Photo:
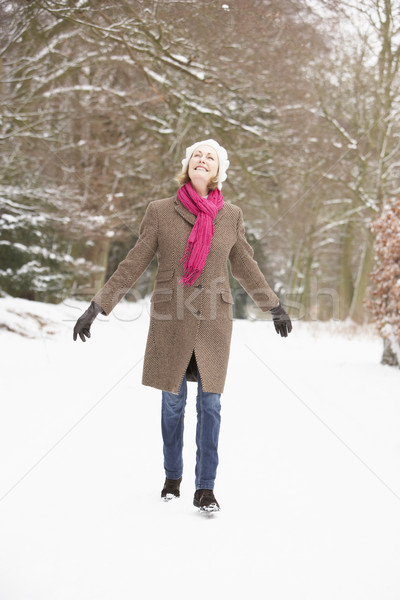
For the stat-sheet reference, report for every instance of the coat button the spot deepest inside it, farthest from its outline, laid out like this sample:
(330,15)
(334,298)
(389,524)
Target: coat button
(199,286)
(198,313)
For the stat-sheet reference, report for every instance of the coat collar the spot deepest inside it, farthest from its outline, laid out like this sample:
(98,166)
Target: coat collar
(186,214)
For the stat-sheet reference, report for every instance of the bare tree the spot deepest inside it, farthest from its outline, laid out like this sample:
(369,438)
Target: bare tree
(358,96)
(99,101)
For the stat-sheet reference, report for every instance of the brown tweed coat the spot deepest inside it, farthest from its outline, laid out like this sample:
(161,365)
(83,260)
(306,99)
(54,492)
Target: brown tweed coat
(187,319)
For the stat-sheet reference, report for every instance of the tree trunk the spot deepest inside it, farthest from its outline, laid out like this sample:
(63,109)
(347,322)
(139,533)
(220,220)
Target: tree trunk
(98,255)
(357,311)
(86,285)
(307,299)
(346,286)
(389,357)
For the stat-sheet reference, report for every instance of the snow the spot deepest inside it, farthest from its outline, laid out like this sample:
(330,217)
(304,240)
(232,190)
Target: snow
(180,58)
(83,88)
(203,109)
(196,69)
(159,78)
(308,481)
(51,45)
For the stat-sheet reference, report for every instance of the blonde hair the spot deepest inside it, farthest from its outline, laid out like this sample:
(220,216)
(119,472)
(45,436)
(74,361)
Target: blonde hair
(183,177)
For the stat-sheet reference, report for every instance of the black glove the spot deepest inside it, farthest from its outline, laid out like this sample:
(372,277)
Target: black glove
(282,322)
(82,326)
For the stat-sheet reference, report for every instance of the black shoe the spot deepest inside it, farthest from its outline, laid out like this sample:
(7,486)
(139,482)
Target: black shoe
(171,489)
(205,501)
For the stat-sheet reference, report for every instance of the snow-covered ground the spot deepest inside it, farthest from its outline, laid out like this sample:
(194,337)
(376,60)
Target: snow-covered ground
(308,482)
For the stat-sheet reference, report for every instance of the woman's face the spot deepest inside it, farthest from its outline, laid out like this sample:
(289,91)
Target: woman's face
(203,165)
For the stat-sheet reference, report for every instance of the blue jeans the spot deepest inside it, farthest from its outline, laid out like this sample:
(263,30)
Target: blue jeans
(207,432)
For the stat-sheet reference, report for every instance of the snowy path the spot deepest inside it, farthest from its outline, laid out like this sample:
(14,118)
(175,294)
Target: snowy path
(309,476)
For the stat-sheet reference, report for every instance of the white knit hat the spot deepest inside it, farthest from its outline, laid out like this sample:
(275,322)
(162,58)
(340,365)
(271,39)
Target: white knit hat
(222,158)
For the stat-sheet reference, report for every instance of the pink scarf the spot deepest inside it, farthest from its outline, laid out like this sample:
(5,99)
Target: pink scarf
(199,240)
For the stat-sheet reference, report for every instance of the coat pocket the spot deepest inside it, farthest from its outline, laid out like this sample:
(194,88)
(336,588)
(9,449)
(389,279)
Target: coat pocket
(227,296)
(166,275)
(161,295)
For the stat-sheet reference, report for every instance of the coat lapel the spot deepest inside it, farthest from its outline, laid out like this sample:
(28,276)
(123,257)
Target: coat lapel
(191,218)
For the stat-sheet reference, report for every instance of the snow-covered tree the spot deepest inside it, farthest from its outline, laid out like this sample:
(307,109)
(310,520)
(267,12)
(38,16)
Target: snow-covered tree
(384,299)
(99,101)
(359,90)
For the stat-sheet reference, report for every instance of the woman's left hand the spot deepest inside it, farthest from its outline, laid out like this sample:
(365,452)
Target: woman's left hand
(282,322)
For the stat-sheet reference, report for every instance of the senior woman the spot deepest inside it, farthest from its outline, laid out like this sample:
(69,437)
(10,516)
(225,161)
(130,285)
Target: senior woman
(194,235)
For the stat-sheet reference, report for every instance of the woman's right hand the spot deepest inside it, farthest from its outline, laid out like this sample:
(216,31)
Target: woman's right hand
(82,326)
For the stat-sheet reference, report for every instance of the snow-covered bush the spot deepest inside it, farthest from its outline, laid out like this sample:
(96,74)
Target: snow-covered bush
(385,295)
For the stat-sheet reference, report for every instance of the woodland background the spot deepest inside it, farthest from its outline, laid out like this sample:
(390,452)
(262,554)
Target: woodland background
(99,100)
